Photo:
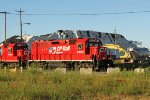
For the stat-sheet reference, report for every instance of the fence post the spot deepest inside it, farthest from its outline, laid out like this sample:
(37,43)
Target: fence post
(5,69)
(21,69)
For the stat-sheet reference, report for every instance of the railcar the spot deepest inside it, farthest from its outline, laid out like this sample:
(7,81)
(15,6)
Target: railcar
(14,54)
(70,53)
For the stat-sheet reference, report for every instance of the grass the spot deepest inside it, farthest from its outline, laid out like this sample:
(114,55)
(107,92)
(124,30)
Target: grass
(34,85)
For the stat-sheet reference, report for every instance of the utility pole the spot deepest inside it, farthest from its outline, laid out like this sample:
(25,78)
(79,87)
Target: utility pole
(5,13)
(20,13)
(115,40)
(115,34)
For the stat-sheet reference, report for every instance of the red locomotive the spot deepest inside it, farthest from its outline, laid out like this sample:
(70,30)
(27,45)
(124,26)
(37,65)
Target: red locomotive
(69,53)
(14,54)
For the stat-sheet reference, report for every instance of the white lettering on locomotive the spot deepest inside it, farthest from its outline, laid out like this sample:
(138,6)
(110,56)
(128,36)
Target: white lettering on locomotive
(58,49)
(66,48)
(10,54)
(54,50)
(80,51)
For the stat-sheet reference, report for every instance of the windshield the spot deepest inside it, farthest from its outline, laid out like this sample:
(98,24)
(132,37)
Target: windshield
(20,46)
(93,42)
(89,44)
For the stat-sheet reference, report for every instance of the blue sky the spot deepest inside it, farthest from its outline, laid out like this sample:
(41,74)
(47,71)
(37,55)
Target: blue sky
(133,26)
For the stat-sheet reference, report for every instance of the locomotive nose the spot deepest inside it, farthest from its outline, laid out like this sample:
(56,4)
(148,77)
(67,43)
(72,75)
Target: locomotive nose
(19,53)
(94,50)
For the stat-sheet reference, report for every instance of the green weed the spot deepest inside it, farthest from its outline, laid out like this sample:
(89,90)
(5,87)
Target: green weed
(48,85)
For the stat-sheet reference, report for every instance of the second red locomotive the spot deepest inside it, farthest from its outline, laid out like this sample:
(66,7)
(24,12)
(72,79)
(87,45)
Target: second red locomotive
(14,54)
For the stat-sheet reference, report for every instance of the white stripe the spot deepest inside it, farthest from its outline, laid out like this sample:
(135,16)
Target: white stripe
(44,60)
(9,60)
(60,60)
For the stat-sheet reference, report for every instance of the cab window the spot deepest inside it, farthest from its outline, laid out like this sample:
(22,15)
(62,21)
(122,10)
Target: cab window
(20,46)
(93,44)
(9,50)
(80,46)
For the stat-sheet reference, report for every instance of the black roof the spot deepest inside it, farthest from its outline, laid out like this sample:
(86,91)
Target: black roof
(13,39)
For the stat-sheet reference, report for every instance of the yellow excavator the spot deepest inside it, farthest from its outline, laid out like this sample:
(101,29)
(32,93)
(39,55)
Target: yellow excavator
(124,55)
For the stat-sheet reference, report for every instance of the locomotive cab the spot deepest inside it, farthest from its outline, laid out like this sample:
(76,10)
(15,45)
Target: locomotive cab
(98,54)
(21,51)
(92,46)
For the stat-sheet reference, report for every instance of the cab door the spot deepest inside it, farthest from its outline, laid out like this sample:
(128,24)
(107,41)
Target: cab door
(102,53)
